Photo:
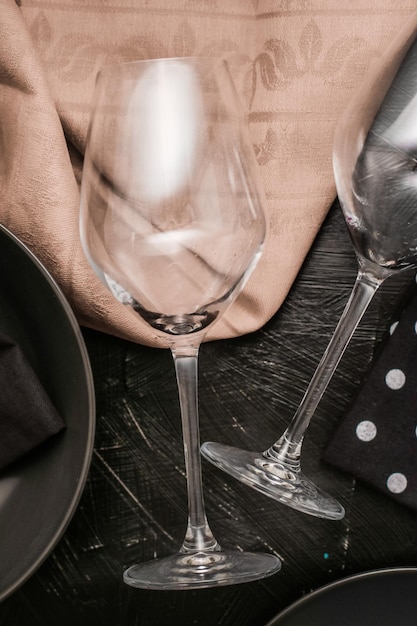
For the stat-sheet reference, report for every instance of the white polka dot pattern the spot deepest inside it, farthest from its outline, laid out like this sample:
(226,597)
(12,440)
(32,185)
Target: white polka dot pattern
(366,430)
(395,379)
(393,327)
(376,442)
(397,482)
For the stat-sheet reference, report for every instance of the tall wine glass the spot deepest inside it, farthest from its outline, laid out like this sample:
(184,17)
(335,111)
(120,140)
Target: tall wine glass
(375,166)
(172,222)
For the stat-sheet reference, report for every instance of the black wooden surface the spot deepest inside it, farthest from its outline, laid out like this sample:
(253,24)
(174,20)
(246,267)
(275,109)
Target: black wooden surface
(134,504)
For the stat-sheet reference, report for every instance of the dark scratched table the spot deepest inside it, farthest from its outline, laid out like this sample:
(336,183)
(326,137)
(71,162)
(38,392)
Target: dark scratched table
(134,504)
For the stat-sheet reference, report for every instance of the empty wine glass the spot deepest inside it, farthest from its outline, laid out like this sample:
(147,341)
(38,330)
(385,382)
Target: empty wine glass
(375,166)
(171,221)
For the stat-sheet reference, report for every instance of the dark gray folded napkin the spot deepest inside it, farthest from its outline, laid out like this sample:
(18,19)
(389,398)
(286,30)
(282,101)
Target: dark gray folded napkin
(27,415)
(377,440)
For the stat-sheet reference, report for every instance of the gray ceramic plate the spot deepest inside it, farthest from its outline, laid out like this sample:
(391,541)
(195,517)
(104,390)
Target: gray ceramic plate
(386,597)
(40,492)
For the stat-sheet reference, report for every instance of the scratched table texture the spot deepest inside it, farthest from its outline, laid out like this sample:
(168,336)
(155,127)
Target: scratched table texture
(134,504)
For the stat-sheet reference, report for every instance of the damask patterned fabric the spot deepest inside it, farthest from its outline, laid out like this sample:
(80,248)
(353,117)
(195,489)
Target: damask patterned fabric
(295,63)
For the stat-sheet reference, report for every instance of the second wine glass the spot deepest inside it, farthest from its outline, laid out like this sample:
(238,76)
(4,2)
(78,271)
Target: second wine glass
(375,157)
(172,223)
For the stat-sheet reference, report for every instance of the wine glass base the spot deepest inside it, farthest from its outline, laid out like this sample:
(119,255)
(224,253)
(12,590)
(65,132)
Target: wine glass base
(197,570)
(274,479)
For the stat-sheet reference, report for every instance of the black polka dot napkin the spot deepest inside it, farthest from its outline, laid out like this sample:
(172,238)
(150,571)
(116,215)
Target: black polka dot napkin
(27,415)
(377,440)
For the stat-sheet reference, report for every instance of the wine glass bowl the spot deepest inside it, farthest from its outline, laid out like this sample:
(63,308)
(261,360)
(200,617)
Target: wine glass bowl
(374,160)
(161,198)
(375,167)
(172,222)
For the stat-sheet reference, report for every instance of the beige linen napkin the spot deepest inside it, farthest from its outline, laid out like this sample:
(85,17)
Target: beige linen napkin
(295,63)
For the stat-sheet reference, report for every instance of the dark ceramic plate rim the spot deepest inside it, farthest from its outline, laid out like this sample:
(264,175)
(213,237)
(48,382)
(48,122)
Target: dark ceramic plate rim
(62,523)
(292,610)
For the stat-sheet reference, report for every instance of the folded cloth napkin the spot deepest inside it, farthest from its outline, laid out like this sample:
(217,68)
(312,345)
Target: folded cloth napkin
(27,415)
(377,440)
(295,64)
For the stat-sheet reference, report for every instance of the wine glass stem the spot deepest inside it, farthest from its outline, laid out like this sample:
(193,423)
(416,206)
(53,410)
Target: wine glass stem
(198,535)
(288,448)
